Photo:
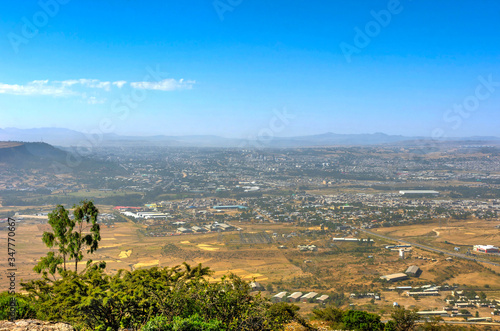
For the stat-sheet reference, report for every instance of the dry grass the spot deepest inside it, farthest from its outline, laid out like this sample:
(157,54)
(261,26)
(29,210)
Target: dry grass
(342,268)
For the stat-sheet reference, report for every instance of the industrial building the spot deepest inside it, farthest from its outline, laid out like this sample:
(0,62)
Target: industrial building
(198,229)
(323,298)
(423,294)
(479,319)
(255,286)
(280,297)
(486,249)
(352,239)
(418,192)
(229,207)
(395,277)
(308,296)
(184,230)
(413,271)
(294,297)
(305,248)
(442,313)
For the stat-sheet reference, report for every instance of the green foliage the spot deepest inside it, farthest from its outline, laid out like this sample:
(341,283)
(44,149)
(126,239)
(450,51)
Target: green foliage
(330,314)
(87,234)
(24,308)
(158,323)
(93,300)
(192,323)
(404,319)
(433,324)
(62,226)
(390,326)
(360,320)
(50,264)
(71,236)
(282,313)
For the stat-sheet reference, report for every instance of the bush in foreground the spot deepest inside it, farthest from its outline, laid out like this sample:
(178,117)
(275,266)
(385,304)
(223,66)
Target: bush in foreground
(181,295)
(192,323)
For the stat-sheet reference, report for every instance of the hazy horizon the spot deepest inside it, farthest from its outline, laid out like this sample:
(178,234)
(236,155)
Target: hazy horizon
(236,137)
(396,67)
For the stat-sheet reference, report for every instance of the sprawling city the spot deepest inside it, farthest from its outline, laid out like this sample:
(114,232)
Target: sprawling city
(367,228)
(233,165)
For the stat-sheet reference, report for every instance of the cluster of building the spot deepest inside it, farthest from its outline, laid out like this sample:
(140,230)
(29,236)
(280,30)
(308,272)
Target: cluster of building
(486,249)
(307,248)
(352,240)
(412,271)
(213,227)
(459,305)
(373,295)
(299,297)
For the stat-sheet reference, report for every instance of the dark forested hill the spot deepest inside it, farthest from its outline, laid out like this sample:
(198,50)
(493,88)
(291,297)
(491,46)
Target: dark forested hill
(21,154)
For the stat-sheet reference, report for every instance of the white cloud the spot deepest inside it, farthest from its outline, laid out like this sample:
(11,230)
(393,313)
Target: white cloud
(169,84)
(95,83)
(36,87)
(70,87)
(69,82)
(120,83)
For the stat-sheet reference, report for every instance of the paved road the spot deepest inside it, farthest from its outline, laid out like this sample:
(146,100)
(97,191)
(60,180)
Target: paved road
(429,248)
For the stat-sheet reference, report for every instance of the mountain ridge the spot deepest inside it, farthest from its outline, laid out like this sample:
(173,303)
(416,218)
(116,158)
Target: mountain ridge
(67,138)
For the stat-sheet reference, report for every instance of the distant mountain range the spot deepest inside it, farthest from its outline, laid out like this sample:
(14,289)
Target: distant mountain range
(67,138)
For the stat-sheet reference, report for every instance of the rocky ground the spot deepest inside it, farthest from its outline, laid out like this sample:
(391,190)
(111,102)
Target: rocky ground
(34,325)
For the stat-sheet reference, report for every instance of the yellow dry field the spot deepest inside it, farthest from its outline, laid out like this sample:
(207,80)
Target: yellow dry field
(207,247)
(125,254)
(458,232)
(151,263)
(123,247)
(344,267)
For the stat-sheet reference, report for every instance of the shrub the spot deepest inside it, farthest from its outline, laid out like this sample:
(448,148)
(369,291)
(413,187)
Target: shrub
(93,300)
(360,320)
(330,314)
(191,323)
(24,309)
(196,323)
(390,326)
(158,323)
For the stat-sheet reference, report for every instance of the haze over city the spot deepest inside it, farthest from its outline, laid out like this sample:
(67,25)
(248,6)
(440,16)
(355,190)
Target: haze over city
(413,68)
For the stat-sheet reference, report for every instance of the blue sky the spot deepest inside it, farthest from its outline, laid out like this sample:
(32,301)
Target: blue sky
(226,67)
